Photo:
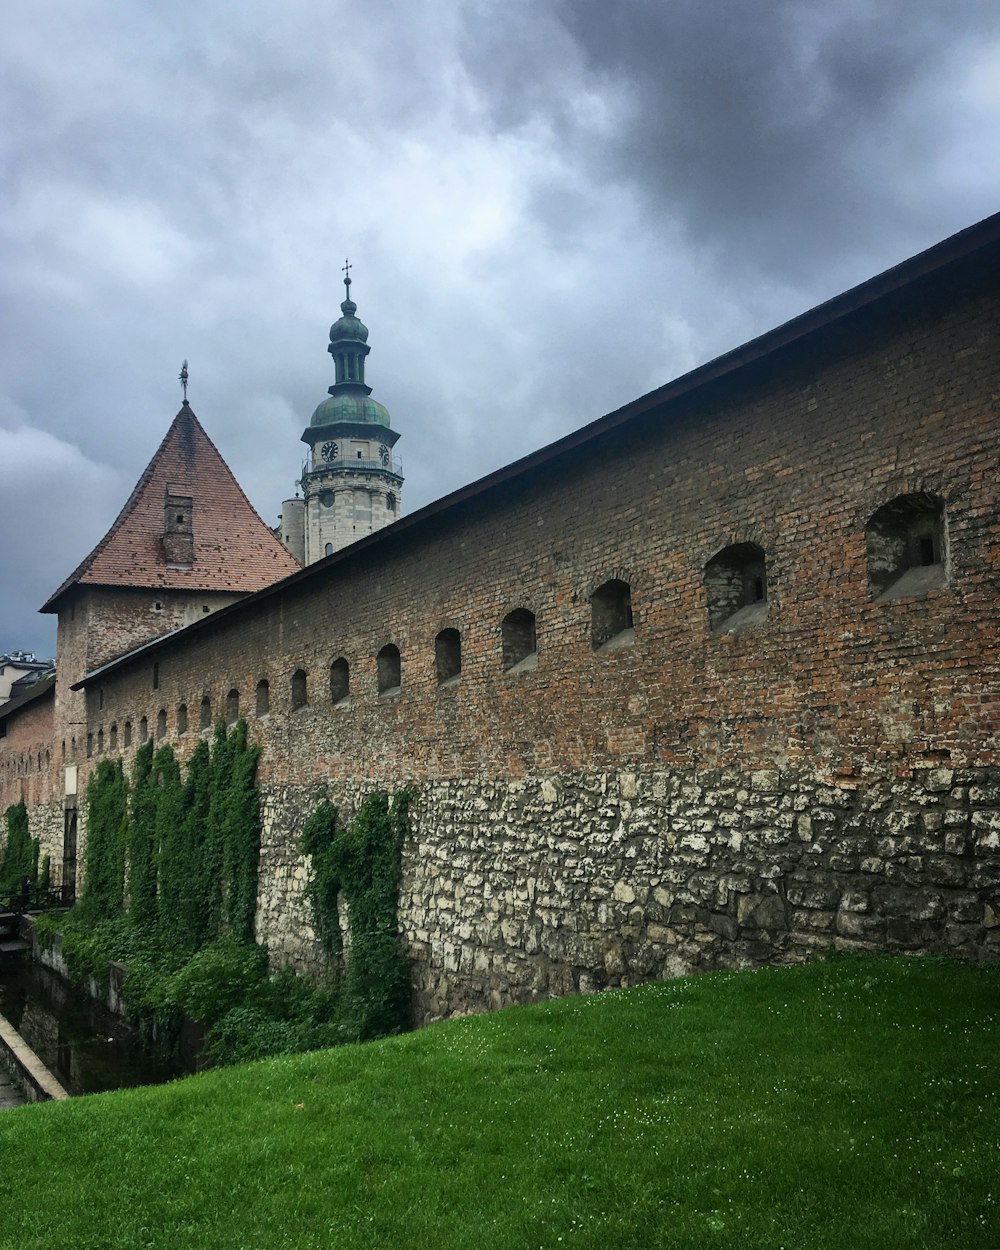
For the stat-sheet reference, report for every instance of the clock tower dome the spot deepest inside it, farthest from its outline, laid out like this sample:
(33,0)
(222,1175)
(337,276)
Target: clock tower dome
(352,482)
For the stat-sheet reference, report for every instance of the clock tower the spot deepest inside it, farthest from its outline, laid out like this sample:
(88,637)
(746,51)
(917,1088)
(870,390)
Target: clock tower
(352,482)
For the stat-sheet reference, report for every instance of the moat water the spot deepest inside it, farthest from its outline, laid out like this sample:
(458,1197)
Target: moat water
(83,1045)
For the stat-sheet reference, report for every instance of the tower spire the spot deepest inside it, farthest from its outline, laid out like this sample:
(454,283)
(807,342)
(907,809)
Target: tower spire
(348,307)
(182,377)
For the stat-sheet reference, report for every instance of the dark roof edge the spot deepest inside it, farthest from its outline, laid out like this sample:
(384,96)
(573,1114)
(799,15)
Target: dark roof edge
(35,691)
(938,257)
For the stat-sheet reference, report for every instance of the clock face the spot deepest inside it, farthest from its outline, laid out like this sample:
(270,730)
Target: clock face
(328,451)
(383,455)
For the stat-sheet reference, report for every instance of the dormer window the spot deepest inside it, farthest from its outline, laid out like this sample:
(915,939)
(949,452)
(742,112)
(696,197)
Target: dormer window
(178,529)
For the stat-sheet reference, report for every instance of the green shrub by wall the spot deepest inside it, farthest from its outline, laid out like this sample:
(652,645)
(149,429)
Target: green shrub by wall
(20,856)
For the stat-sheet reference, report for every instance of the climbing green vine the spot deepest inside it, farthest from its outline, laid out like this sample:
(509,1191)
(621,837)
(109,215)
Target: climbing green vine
(103,894)
(361,862)
(170,890)
(20,861)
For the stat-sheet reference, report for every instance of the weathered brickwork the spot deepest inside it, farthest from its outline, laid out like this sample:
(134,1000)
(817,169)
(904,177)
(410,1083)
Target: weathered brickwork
(27,770)
(686,797)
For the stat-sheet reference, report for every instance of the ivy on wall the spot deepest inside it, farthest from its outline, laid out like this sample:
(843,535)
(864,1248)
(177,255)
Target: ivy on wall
(103,895)
(20,864)
(171,890)
(189,849)
(362,862)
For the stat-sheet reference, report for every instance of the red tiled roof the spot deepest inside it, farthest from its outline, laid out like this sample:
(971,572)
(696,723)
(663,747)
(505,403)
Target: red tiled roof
(233,549)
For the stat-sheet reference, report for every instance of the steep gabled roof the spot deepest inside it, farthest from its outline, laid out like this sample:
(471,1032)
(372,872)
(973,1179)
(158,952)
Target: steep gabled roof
(233,549)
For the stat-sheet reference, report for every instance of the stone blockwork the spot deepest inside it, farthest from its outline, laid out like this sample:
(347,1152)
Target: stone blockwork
(695,791)
(578,882)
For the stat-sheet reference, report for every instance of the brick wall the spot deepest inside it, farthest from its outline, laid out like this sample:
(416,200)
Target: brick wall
(824,691)
(29,772)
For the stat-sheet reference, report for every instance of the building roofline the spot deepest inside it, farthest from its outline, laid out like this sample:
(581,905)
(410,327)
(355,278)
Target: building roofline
(935,259)
(40,687)
(78,577)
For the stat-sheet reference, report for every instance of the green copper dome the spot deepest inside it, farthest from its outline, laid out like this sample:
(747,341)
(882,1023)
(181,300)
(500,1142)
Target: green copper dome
(348,326)
(347,406)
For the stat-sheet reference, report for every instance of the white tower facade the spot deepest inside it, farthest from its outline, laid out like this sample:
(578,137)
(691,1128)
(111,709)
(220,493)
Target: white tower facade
(352,482)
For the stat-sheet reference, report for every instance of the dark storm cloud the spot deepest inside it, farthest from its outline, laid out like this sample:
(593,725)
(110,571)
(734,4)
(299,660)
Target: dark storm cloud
(774,132)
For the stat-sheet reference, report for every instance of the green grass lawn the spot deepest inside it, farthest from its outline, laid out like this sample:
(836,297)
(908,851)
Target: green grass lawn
(845,1104)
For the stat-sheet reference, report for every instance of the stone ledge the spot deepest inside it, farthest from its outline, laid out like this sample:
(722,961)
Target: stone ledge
(38,1082)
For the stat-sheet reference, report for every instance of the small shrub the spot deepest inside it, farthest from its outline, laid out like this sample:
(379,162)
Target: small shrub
(219,978)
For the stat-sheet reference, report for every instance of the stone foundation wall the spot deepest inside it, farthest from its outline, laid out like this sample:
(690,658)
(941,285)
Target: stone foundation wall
(530,888)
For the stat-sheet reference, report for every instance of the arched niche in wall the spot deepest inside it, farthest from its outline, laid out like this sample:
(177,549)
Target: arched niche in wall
(905,542)
(611,623)
(448,656)
(736,587)
(518,640)
(340,682)
(388,669)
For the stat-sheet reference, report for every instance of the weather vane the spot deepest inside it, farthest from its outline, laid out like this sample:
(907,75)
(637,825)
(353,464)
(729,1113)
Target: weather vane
(347,267)
(182,377)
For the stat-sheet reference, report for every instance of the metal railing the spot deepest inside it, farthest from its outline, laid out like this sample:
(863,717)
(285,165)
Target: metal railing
(20,902)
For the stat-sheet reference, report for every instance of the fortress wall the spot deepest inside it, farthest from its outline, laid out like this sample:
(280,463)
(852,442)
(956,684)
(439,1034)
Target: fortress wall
(693,798)
(27,769)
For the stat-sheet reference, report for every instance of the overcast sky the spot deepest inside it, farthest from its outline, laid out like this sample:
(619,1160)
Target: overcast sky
(551,208)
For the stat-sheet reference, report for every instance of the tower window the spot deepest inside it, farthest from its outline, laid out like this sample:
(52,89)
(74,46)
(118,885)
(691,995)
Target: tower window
(340,682)
(232,707)
(389,669)
(205,713)
(736,587)
(113,738)
(448,655)
(161,723)
(100,741)
(143,729)
(182,719)
(299,689)
(905,544)
(611,615)
(328,549)
(517,633)
(263,697)
(127,735)
(390,502)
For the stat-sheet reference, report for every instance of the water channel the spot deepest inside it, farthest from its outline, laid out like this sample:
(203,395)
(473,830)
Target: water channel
(86,1048)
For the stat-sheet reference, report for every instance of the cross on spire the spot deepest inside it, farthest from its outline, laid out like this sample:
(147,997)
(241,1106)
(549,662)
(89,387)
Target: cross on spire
(347,267)
(182,377)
